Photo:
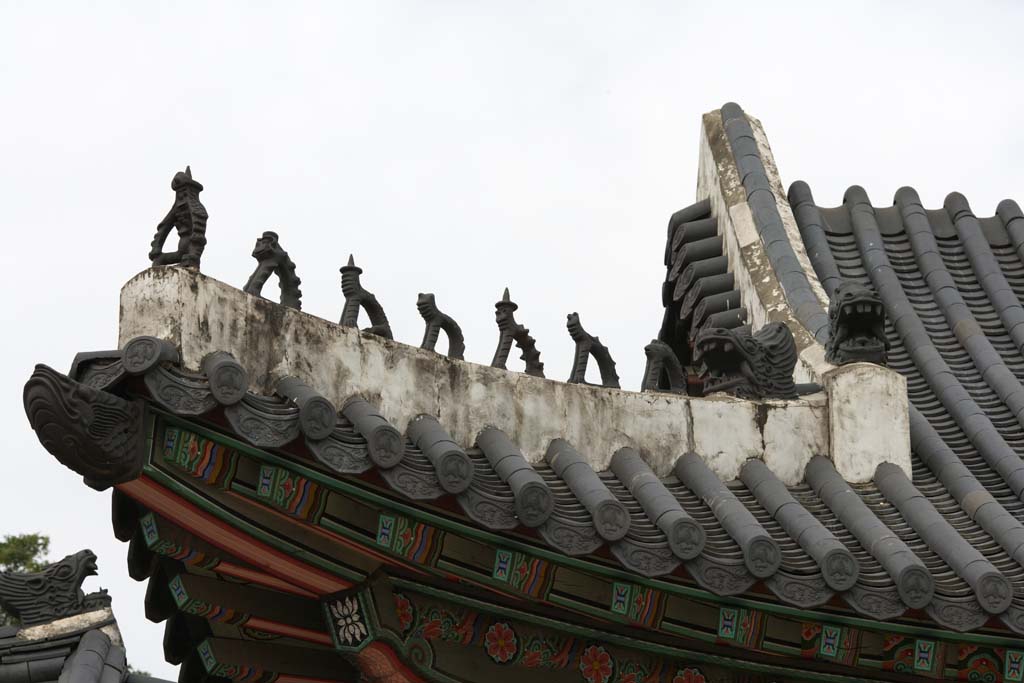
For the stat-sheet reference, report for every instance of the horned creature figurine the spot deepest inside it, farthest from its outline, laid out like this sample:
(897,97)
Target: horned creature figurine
(356,297)
(272,259)
(508,331)
(188,216)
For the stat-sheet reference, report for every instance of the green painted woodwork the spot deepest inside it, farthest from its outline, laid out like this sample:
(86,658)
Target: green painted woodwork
(415,535)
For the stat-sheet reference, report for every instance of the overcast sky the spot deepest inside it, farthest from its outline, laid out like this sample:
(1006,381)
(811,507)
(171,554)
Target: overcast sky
(455,148)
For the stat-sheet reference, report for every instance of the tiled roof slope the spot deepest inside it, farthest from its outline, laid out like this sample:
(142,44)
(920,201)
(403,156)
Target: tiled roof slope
(807,543)
(951,284)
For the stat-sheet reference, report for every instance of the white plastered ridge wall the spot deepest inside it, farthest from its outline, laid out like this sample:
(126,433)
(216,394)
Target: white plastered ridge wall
(201,315)
(867,404)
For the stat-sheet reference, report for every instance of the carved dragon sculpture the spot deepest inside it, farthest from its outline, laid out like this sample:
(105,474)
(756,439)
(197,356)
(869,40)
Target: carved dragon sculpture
(857,324)
(272,259)
(188,216)
(748,365)
(93,432)
(53,593)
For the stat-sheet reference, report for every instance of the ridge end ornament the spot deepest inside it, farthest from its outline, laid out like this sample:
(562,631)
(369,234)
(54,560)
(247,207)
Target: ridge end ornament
(747,365)
(93,432)
(52,593)
(510,331)
(188,217)
(356,297)
(856,320)
(272,259)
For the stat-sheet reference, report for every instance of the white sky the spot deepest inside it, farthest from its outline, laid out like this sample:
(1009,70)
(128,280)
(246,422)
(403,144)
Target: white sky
(453,147)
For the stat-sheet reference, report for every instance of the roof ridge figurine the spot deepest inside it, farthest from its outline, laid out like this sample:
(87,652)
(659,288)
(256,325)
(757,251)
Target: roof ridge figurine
(508,331)
(188,216)
(356,297)
(748,365)
(272,259)
(436,321)
(52,593)
(856,325)
(588,345)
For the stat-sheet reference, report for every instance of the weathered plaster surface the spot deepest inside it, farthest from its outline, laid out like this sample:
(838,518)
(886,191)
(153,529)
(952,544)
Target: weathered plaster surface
(75,624)
(867,421)
(869,418)
(201,315)
(785,212)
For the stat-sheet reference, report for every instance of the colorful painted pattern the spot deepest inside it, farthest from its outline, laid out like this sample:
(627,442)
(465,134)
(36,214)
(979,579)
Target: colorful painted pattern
(169,548)
(976,663)
(528,575)
(199,457)
(414,541)
(638,604)
(295,495)
(199,608)
(1013,666)
(510,644)
(927,657)
(740,627)
(918,656)
(830,643)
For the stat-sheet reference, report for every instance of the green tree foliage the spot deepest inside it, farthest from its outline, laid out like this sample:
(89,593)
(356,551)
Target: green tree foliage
(22,553)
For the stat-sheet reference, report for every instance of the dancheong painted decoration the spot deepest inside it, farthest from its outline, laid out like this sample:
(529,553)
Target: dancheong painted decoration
(819,479)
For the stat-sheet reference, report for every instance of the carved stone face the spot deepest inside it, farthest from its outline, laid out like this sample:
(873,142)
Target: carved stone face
(573,323)
(503,316)
(266,246)
(426,304)
(856,326)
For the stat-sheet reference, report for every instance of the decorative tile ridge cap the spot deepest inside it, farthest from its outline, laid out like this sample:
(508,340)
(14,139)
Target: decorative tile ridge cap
(991,588)
(763,293)
(761,553)
(880,396)
(53,592)
(915,584)
(773,218)
(94,619)
(203,320)
(839,567)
